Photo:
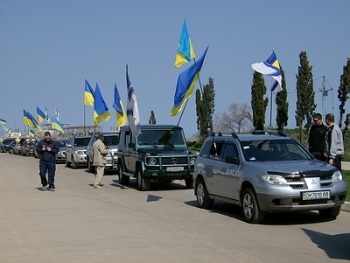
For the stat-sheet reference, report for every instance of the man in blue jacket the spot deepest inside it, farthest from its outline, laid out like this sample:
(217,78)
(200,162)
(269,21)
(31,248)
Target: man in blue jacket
(47,149)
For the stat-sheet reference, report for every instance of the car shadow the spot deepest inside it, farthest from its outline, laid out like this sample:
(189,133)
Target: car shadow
(155,186)
(287,218)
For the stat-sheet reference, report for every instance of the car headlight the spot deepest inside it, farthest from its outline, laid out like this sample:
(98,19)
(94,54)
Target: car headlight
(152,161)
(192,160)
(337,176)
(81,153)
(274,179)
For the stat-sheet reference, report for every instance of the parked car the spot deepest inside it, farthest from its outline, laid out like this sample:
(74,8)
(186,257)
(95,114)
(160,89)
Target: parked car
(265,173)
(61,155)
(17,149)
(111,140)
(76,151)
(5,143)
(27,148)
(11,146)
(159,153)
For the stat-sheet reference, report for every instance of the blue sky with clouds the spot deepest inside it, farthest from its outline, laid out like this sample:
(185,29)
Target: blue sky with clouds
(48,48)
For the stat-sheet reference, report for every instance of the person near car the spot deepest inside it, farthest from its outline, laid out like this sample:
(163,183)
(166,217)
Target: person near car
(317,135)
(47,149)
(99,152)
(334,142)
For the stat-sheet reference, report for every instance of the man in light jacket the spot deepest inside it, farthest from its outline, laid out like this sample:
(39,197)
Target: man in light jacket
(99,152)
(334,142)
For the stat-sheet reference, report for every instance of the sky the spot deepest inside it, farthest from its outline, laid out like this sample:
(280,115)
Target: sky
(49,47)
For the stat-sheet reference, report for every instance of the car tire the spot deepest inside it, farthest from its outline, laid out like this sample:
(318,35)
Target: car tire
(330,213)
(123,179)
(250,207)
(202,195)
(189,182)
(143,184)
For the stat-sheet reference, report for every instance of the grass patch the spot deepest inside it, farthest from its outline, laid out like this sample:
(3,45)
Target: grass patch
(346,175)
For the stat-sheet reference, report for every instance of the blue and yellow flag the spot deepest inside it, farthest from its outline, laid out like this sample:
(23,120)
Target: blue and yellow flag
(29,120)
(56,125)
(118,106)
(100,108)
(31,133)
(185,84)
(2,121)
(40,115)
(185,51)
(88,95)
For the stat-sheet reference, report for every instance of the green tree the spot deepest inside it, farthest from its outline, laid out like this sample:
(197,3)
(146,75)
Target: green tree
(258,102)
(344,90)
(152,119)
(282,105)
(305,94)
(205,108)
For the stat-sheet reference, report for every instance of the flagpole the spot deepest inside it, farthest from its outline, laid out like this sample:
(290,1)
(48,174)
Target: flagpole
(270,108)
(84,119)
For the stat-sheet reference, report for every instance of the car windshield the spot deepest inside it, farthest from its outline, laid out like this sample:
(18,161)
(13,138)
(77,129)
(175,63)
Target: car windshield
(273,150)
(81,141)
(162,139)
(111,140)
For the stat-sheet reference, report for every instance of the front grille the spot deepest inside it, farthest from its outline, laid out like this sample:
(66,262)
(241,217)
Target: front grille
(298,182)
(174,160)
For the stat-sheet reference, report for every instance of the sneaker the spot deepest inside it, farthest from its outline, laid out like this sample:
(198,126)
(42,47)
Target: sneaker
(51,189)
(43,188)
(100,184)
(97,186)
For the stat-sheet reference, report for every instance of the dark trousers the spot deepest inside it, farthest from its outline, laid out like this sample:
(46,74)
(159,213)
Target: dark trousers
(50,169)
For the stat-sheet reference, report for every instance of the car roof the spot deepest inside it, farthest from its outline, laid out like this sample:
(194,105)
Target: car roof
(155,127)
(251,137)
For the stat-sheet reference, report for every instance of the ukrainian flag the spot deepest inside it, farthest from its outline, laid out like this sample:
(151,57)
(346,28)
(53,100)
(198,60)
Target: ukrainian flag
(101,110)
(185,51)
(88,95)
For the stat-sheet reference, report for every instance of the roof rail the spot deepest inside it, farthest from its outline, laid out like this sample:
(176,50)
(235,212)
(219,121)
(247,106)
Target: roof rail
(274,132)
(232,134)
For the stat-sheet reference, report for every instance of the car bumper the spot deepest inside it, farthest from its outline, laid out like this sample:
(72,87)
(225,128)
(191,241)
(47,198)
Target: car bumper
(278,200)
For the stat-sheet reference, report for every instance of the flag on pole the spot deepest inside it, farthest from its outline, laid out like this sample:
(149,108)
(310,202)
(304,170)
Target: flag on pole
(270,67)
(31,133)
(185,51)
(88,95)
(2,121)
(132,110)
(40,115)
(47,119)
(5,127)
(118,106)
(57,114)
(29,120)
(100,108)
(56,125)
(185,84)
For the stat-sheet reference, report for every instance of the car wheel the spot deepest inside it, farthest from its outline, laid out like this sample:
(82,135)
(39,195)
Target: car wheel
(250,207)
(203,199)
(143,184)
(123,179)
(189,182)
(331,213)
(90,167)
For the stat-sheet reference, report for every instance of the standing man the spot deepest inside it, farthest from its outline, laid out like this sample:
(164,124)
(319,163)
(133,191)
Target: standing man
(334,142)
(99,152)
(317,135)
(47,149)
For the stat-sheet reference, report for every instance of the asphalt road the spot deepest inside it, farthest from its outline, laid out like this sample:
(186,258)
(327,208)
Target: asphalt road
(77,223)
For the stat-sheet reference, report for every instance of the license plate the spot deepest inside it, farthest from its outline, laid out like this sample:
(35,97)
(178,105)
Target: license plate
(315,195)
(174,169)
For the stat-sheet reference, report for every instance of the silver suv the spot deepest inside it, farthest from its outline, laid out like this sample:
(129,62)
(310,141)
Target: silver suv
(265,173)
(111,140)
(76,151)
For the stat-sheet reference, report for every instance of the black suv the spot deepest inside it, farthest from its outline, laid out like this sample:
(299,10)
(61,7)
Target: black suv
(111,140)
(159,153)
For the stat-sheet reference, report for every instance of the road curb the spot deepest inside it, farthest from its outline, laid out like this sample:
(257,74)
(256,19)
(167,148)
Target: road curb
(346,207)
